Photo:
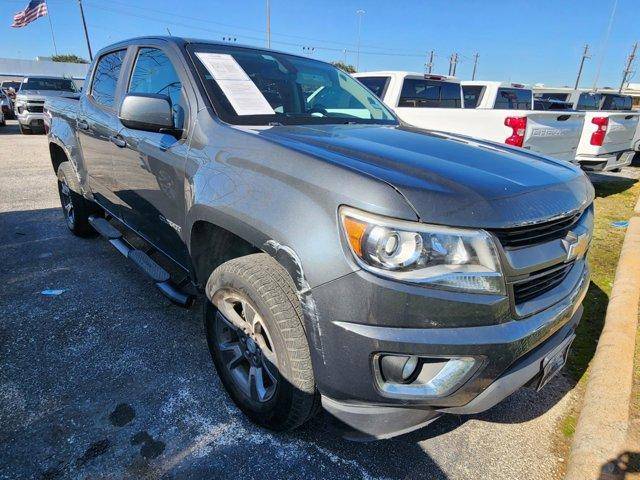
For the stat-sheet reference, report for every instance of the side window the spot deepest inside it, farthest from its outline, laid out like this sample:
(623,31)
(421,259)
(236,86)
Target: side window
(378,85)
(154,73)
(472,95)
(513,99)
(589,101)
(418,93)
(105,78)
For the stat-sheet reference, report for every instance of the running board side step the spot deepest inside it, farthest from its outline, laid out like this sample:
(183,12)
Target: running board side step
(144,262)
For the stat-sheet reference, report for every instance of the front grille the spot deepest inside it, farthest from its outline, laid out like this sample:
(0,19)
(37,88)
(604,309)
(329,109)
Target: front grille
(540,282)
(35,108)
(537,232)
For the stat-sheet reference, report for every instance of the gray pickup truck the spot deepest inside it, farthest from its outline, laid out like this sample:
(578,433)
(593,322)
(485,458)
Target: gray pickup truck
(387,273)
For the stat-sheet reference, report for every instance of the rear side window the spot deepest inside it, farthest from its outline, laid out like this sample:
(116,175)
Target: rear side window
(616,102)
(154,73)
(378,85)
(513,99)
(589,101)
(472,95)
(105,78)
(430,94)
(563,97)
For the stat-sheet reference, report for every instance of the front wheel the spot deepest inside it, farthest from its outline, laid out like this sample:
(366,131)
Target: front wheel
(257,341)
(25,130)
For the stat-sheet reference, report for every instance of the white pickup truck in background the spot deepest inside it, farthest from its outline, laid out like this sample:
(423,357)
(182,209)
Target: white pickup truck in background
(611,134)
(501,113)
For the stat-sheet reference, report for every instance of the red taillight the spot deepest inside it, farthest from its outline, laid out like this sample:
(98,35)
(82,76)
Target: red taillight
(519,126)
(597,137)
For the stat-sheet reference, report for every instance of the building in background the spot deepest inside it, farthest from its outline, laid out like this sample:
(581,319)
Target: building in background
(15,69)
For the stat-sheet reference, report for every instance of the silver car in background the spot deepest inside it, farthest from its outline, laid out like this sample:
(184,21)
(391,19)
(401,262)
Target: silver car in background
(29,104)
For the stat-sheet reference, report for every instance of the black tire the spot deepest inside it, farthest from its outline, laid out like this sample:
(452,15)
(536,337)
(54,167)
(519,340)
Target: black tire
(270,290)
(75,208)
(24,130)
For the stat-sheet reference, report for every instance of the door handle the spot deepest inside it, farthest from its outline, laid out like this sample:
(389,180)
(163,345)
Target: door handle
(82,125)
(118,141)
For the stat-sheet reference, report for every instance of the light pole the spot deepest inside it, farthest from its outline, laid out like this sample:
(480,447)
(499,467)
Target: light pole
(268,24)
(359,13)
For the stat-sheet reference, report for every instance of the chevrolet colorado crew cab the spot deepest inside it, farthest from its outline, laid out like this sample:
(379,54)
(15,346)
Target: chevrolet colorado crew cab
(495,111)
(387,273)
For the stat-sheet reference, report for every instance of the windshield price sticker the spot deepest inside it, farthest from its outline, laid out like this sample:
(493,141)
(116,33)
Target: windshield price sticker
(242,93)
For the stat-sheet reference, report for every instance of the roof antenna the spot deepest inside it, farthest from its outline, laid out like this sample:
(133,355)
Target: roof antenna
(169,31)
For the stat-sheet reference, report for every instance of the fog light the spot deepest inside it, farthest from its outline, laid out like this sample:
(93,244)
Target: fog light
(410,376)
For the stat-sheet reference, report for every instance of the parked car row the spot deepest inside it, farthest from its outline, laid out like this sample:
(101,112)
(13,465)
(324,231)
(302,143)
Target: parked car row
(346,259)
(597,130)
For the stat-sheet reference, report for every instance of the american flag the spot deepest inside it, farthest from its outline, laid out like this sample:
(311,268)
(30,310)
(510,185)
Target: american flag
(35,9)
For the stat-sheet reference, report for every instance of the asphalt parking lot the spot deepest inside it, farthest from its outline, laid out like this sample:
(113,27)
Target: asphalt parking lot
(110,380)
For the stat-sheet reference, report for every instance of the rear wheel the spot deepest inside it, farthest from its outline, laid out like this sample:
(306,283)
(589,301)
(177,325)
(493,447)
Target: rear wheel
(25,130)
(75,208)
(257,342)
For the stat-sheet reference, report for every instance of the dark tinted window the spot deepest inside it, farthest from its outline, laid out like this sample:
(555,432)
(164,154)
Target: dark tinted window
(154,73)
(430,94)
(57,84)
(105,79)
(513,99)
(377,85)
(472,95)
(616,102)
(589,101)
(563,97)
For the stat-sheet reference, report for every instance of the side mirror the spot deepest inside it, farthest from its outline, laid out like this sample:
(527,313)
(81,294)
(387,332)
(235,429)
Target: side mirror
(146,111)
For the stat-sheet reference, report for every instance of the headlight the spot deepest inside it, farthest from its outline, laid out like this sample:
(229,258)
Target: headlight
(450,258)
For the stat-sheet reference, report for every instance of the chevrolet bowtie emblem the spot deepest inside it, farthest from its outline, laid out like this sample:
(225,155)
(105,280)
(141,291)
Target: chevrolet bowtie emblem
(575,245)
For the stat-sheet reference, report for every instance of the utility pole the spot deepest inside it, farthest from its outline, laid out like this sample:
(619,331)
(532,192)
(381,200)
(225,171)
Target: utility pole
(308,50)
(268,24)
(585,55)
(453,61)
(86,33)
(430,62)
(627,69)
(359,13)
(475,65)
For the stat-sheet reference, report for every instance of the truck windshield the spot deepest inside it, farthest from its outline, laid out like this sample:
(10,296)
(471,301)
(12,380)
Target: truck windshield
(258,87)
(56,84)
(420,93)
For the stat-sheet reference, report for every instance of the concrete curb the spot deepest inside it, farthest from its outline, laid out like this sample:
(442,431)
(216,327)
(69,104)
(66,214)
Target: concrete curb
(601,431)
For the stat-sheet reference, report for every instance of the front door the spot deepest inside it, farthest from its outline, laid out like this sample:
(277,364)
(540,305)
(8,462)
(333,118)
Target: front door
(97,125)
(149,168)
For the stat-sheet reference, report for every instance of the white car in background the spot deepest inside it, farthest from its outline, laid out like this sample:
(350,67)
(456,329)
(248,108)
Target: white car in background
(611,133)
(495,111)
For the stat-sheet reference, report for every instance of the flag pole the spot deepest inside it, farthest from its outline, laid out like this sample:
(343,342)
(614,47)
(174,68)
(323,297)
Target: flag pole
(55,48)
(86,34)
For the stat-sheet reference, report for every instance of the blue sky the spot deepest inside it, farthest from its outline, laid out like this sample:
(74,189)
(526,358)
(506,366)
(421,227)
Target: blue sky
(524,41)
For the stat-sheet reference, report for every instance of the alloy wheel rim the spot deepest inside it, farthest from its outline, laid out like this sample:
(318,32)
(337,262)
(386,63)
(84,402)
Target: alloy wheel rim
(245,345)
(67,203)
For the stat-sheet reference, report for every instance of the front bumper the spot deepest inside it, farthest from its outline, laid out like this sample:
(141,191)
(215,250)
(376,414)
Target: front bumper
(30,119)
(511,348)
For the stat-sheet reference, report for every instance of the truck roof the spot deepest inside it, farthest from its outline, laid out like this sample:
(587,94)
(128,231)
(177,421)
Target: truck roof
(404,73)
(497,84)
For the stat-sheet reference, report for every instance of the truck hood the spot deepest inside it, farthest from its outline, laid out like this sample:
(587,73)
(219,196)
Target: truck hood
(41,95)
(448,179)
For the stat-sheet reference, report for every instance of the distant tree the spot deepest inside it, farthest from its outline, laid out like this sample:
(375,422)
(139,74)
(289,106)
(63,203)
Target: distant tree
(68,58)
(344,67)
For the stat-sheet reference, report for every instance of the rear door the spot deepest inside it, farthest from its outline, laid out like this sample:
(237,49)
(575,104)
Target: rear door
(98,124)
(149,167)
(556,134)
